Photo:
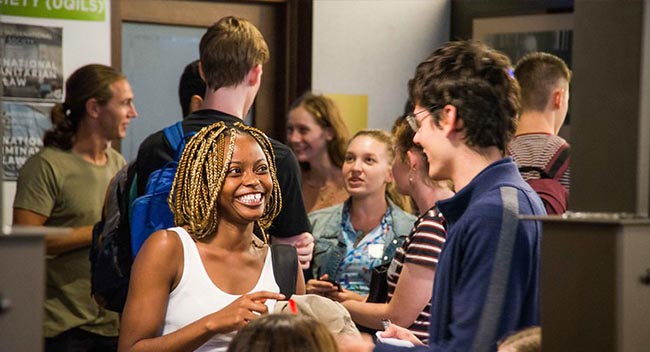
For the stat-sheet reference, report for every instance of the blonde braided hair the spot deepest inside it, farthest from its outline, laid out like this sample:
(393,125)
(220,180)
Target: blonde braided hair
(201,173)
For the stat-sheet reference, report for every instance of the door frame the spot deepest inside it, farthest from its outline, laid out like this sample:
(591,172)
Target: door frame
(291,59)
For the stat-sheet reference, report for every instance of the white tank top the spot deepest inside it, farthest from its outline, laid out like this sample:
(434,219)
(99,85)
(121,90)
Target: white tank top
(197,296)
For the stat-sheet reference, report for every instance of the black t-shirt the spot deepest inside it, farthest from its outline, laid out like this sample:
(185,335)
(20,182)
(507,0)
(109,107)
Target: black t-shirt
(155,152)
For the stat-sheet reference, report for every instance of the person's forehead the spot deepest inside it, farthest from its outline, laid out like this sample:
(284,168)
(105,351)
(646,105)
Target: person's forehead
(367,145)
(245,144)
(246,141)
(121,87)
(301,116)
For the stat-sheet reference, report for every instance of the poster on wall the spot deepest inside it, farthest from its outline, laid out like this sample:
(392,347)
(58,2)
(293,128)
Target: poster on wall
(32,62)
(32,80)
(24,126)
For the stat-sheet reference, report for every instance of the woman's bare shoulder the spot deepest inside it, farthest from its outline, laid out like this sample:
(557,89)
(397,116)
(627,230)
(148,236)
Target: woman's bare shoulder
(162,245)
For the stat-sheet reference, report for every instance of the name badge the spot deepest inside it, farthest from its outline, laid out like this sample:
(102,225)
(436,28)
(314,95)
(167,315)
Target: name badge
(375,250)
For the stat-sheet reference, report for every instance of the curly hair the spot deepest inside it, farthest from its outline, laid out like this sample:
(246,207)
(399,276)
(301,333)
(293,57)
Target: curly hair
(476,80)
(201,173)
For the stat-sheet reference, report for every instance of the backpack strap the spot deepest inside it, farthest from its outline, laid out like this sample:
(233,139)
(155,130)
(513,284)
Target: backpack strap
(176,138)
(540,171)
(559,162)
(285,267)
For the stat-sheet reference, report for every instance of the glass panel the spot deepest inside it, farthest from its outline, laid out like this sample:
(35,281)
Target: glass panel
(153,58)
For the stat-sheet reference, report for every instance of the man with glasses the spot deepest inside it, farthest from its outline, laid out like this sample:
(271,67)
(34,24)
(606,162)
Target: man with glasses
(487,279)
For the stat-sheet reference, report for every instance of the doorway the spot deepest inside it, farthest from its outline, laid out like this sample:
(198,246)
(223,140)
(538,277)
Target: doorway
(153,40)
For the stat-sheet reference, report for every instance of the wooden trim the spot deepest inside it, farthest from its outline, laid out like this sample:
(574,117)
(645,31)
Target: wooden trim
(116,48)
(298,55)
(265,1)
(116,34)
(193,13)
(303,47)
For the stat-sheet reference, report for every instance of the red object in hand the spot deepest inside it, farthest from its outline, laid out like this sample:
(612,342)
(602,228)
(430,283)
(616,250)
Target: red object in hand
(293,307)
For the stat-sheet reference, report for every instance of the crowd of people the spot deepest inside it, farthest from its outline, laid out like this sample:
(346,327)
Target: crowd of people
(413,234)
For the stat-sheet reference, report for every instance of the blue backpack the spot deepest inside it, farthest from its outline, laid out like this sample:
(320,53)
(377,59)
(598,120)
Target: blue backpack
(150,212)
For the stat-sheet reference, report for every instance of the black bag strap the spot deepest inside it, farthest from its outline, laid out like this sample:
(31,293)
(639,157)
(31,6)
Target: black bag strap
(285,267)
(558,164)
(486,333)
(540,171)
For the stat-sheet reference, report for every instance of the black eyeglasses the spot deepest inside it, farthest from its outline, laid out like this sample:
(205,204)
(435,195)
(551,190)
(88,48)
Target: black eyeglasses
(412,117)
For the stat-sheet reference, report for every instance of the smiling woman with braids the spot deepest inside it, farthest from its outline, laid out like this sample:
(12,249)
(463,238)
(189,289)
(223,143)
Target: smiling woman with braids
(184,293)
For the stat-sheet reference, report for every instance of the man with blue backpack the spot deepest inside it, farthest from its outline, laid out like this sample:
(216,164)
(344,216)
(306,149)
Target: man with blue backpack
(231,66)
(136,202)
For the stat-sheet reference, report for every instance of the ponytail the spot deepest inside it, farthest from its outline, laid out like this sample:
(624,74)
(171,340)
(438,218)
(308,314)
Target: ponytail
(90,81)
(61,134)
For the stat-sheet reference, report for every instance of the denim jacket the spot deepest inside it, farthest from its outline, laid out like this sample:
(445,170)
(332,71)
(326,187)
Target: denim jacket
(330,247)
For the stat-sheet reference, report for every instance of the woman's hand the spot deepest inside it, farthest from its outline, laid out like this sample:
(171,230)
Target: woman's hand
(304,244)
(400,333)
(345,295)
(244,309)
(321,286)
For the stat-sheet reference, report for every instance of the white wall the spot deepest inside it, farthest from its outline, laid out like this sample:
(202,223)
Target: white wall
(84,42)
(372,47)
(368,47)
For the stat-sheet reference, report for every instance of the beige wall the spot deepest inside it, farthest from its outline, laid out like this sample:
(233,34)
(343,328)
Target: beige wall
(372,47)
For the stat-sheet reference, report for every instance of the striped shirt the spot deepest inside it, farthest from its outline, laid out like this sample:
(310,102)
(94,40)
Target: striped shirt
(421,247)
(537,150)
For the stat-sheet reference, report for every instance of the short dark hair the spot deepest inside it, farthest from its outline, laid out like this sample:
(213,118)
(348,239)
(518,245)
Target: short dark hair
(229,49)
(189,85)
(476,80)
(538,74)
